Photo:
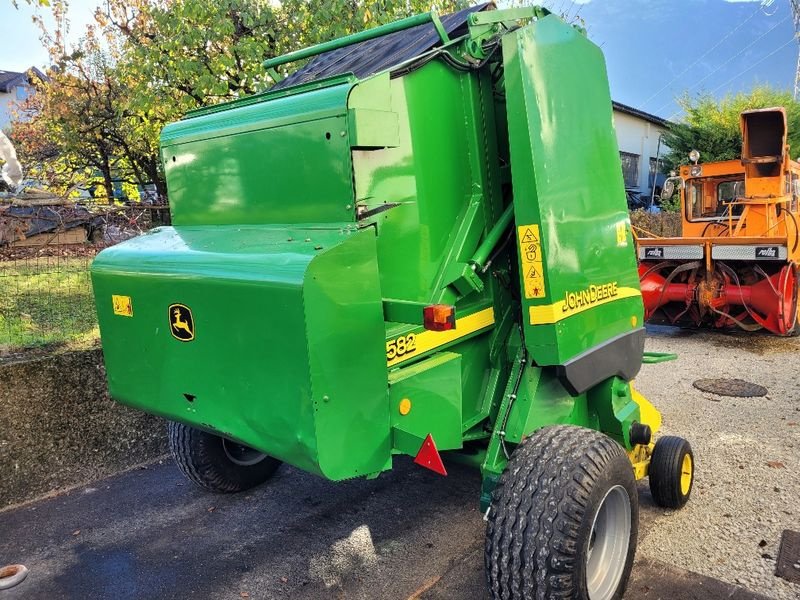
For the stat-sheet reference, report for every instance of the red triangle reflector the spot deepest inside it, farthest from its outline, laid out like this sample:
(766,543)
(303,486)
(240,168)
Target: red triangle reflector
(428,457)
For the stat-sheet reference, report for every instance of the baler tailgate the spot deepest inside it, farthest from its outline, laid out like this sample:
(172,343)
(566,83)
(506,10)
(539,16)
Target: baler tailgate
(579,307)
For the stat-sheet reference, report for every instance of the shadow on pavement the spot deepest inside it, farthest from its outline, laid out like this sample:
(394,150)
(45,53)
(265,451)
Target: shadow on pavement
(149,534)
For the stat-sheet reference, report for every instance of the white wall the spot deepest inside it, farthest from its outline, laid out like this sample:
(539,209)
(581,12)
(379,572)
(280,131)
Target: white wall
(9,104)
(639,136)
(6,102)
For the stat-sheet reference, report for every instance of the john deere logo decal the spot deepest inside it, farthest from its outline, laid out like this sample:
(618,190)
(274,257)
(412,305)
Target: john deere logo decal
(181,323)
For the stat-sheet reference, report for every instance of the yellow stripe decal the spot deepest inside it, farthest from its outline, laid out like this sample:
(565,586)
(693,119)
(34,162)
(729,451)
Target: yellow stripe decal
(558,311)
(406,347)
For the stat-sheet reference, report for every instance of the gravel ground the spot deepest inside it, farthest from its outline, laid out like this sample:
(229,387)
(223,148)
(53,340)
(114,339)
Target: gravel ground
(410,534)
(747,487)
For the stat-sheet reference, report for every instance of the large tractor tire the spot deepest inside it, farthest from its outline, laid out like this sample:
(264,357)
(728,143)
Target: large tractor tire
(564,519)
(217,464)
(671,472)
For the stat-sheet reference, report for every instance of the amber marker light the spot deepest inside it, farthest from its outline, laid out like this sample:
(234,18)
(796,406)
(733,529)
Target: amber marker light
(439,317)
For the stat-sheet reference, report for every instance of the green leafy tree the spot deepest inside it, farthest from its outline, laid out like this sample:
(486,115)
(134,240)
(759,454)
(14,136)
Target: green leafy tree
(178,55)
(71,138)
(712,127)
(145,63)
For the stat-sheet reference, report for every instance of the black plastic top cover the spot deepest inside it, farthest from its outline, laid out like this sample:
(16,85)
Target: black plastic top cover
(370,57)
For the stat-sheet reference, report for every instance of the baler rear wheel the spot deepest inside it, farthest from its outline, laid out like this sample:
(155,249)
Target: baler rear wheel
(217,464)
(564,519)
(671,472)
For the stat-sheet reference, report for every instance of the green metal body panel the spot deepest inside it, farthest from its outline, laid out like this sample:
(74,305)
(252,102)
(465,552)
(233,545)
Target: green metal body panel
(313,224)
(553,405)
(566,177)
(607,407)
(432,388)
(244,155)
(441,177)
(288,341)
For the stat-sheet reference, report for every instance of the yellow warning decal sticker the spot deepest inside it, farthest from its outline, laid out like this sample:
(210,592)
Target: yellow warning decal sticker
(622,234)
(408,346)
(122,305)
(577,302)
(530,252)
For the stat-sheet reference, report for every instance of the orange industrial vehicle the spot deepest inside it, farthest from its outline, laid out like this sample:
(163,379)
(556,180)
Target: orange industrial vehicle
(736,262)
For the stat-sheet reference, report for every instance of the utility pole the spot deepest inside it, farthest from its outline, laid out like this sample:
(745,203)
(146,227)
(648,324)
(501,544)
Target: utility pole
(796,20)
(795,6)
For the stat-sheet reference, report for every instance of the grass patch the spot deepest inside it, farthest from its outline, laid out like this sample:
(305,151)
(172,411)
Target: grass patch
(46,301)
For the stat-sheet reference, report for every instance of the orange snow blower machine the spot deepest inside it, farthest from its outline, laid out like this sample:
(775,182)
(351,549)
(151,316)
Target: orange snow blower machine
(736,262)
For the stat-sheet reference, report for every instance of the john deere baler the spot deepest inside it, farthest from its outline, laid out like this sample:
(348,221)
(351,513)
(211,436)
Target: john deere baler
(417,244)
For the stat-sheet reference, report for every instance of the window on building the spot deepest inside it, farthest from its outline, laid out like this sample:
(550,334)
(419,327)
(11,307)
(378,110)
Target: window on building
(22,92)
(630,169)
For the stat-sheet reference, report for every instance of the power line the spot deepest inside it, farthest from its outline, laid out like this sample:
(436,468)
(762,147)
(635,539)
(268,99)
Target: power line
(740,73)
(563,9)
(755,64)
(706,53)
(578,12)
(767,3)
(569,10)
(727,62)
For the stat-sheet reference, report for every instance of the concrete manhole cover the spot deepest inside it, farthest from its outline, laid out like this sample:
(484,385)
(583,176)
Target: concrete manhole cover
(738,388)
(788,563)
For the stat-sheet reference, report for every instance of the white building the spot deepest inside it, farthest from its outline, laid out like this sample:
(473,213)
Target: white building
(638,133)
(14,87)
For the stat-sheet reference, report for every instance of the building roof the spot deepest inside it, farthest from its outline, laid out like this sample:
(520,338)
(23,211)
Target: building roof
(10,79)
(635,112)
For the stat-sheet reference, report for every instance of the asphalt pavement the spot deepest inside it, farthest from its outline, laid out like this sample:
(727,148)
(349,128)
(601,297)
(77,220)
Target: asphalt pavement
(150,534)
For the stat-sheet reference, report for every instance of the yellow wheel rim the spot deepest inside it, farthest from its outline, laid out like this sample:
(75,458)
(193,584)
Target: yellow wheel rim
(686,474)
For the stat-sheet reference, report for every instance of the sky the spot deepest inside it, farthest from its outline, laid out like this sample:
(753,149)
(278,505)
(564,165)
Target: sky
(655,49)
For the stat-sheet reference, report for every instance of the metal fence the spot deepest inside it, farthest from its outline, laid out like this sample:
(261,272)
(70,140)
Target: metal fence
(46,249)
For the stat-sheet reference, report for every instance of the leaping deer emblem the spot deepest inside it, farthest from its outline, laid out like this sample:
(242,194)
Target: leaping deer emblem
(180,323)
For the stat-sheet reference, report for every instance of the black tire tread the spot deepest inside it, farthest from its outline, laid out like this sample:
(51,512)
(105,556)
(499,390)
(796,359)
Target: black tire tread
(665,468)
(537,510)
(198,458)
